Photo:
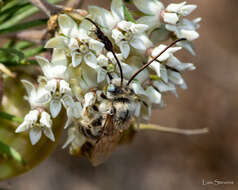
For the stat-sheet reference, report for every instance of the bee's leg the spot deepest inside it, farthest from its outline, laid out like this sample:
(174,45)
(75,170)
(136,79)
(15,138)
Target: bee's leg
(172,130)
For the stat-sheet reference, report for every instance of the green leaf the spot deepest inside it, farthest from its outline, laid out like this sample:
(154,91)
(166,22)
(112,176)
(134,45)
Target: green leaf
(10,117)
(21,14)
(7,13)
(21,45)
(10,54)
(10,153)
(33,51)
(23,26)
(128,14)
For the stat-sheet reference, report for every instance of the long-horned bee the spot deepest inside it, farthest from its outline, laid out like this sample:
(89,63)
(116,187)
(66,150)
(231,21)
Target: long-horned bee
(110,115)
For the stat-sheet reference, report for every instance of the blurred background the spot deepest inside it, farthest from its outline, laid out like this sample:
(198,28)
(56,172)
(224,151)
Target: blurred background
(165,161)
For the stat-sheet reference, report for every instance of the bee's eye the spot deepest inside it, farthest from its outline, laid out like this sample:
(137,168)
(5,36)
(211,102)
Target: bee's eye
(111,88)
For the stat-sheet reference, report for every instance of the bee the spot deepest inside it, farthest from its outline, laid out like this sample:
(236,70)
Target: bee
(106,121)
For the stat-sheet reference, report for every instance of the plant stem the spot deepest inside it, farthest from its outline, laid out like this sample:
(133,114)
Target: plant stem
(173,130)
(48,8)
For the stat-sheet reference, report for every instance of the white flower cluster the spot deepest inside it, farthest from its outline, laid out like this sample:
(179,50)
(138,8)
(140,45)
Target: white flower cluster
(80,64)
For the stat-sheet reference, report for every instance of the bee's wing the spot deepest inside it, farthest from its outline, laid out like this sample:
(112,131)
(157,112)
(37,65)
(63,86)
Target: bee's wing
(101,151)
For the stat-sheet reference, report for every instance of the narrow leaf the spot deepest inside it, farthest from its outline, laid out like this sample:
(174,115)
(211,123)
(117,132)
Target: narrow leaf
(128,14)
(23,26)
(11,153)
(10,117)
(9,54)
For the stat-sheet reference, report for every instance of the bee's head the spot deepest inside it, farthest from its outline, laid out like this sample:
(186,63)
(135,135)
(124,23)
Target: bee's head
(115,89)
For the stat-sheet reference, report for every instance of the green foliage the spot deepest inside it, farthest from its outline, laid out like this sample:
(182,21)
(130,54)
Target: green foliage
(23,26)
(10,117)
(14,11)
(128,14)
(7,152)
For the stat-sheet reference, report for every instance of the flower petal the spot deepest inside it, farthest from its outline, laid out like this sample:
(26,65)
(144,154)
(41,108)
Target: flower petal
(29,87)
(101,75)
(171,18)
(188,45)
(43,96)
(154,95)
(91,60)
(187,10)
(23,127)
(77,108)
(67,25)
(45,120)
(117,9)
(44,64)
(150,21)
(103,17)
(156,67)
(95,45)
(64,87)
(102,60)
(59,57)
(137,43)
(125,25)
(175,77)
(124,48)
(136,86)
(67,101)
(117,35)
(51,86)
(57,42)
(149,6)
(48,133)
(163,73)
(55,107)
(89,98)
(139,28)
(32,116)
(164,87)
(76,59)
(190,35)
(35,135)
(175,7)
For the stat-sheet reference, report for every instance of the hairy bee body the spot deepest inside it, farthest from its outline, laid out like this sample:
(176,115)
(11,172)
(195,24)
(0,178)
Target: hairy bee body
(106,120)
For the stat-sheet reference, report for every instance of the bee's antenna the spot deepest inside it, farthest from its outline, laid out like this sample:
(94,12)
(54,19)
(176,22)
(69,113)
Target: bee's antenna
(109,75)
(146,65)
(107,43)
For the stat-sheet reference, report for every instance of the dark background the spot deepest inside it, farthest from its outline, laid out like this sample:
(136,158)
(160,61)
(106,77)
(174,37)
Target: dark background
(165,161)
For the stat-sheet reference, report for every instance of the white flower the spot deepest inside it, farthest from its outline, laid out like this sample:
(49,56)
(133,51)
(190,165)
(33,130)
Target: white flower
(124,33)
(153,95)
(185,29)
(177,79)
(153,9)
(57,68)
(106,19)
(181,8)
(89,99)
(73,111)
(61,93)
(127,34)
(167,59)
(80,46)
(164,87)
(37,122)
(36,97)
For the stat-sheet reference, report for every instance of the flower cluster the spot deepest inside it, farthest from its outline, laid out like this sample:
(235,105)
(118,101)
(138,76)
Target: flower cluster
(80,66)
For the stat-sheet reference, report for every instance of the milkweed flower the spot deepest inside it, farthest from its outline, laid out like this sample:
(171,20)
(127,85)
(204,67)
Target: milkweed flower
(37,122)
(81,71)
